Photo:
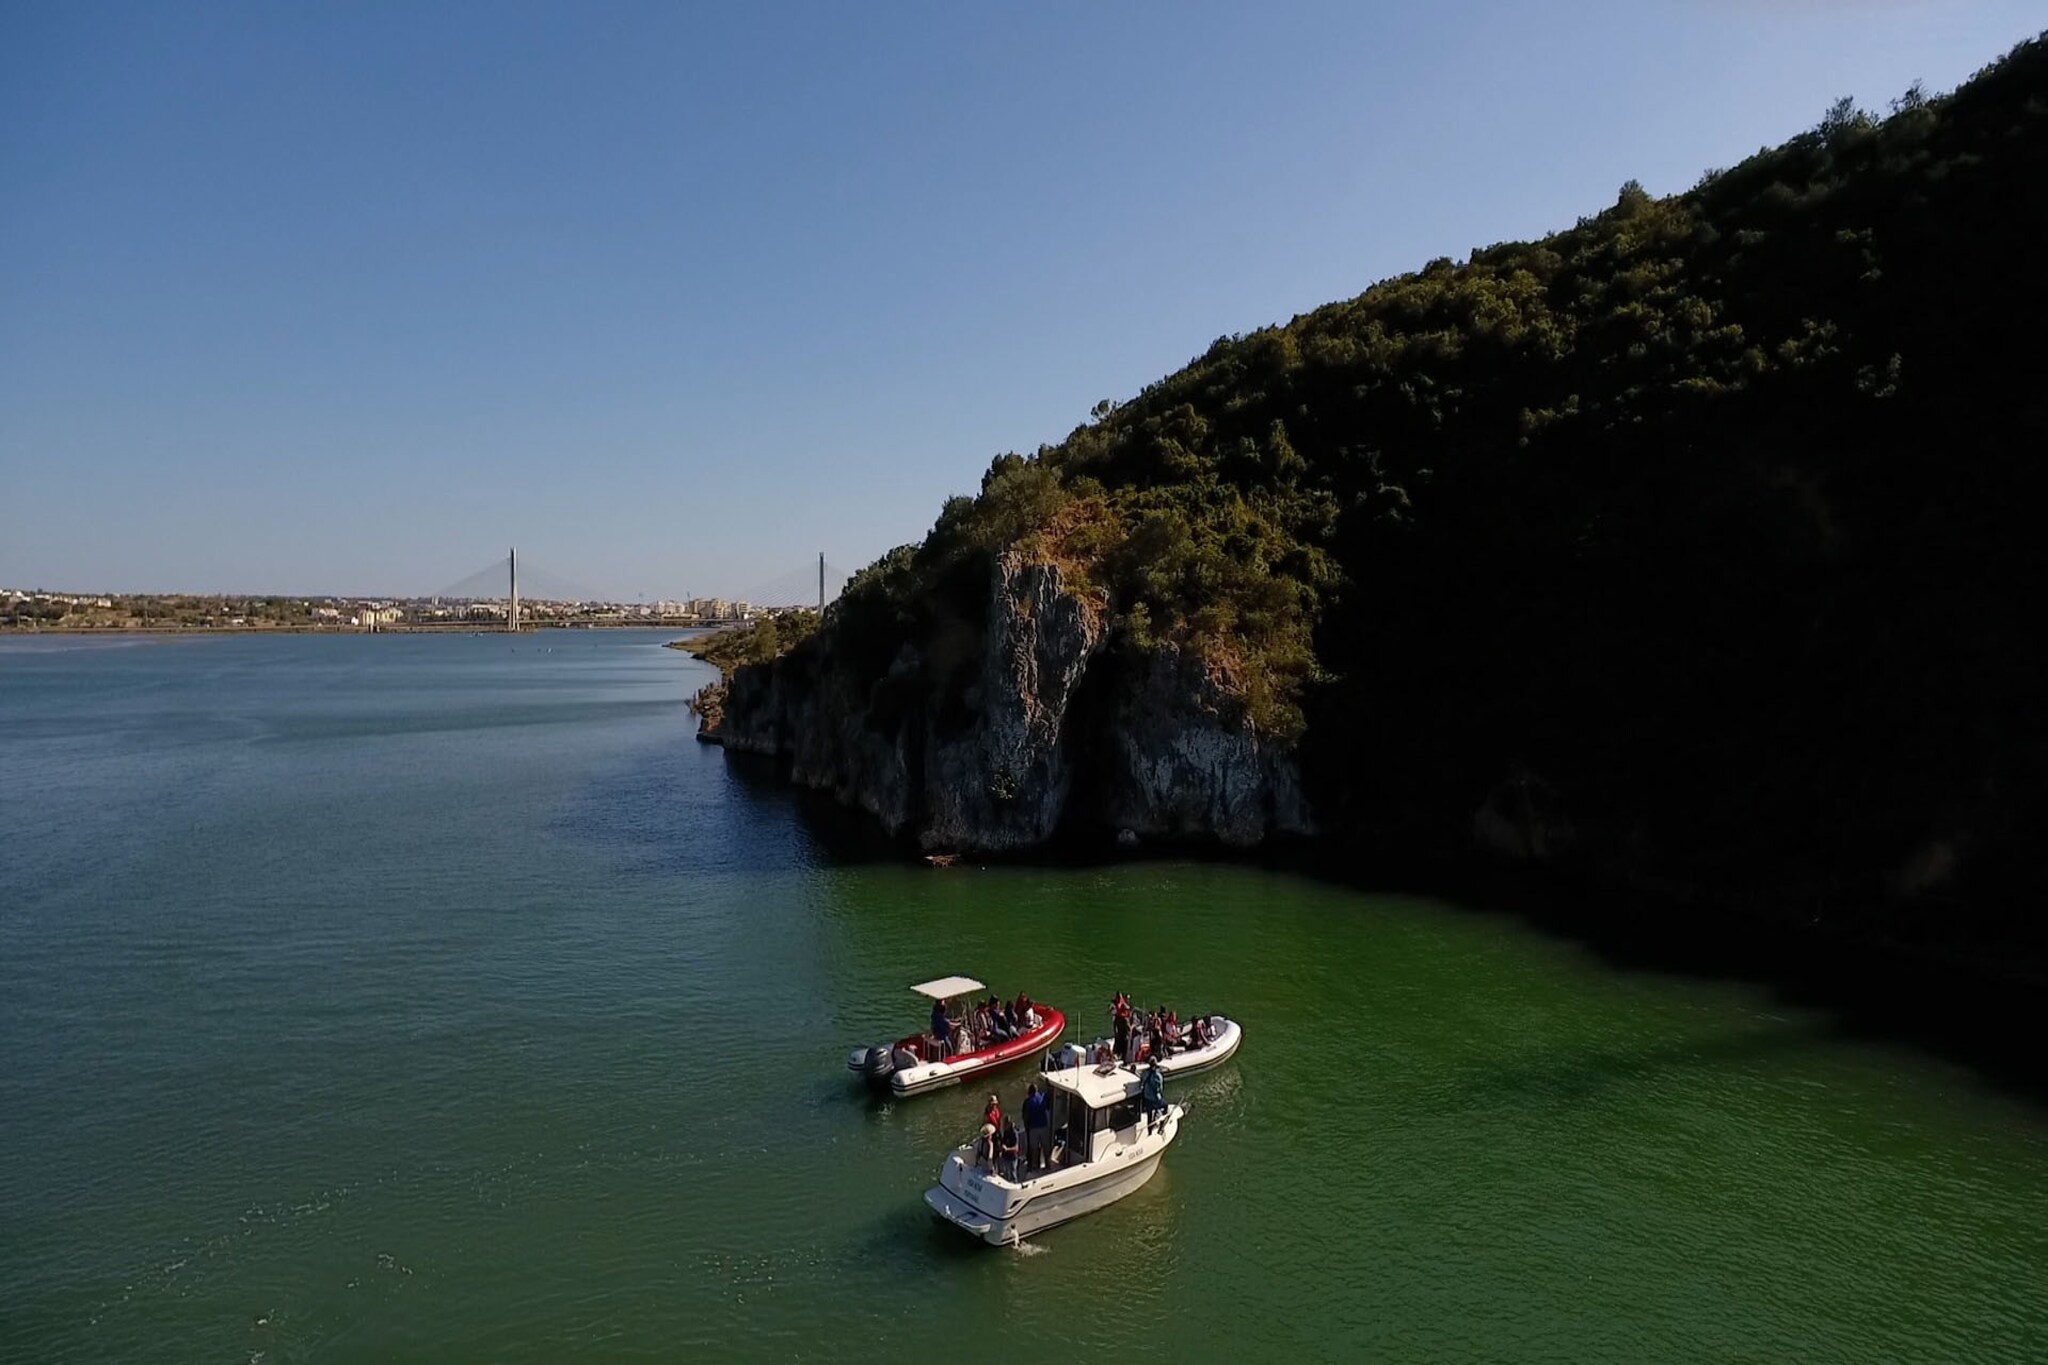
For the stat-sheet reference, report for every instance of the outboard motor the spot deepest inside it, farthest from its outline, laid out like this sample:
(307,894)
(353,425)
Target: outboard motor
(881,1064)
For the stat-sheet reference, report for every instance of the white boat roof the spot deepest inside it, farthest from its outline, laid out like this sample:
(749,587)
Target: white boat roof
(1094,1088)
(946,987)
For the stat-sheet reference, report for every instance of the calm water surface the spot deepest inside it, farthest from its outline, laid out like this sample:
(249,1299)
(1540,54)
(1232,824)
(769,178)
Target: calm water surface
(439,999)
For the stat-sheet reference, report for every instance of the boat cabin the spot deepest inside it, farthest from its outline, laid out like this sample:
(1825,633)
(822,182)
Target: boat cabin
(1093,1112)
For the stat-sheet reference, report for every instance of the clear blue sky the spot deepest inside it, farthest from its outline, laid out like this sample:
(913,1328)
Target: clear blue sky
(347,298)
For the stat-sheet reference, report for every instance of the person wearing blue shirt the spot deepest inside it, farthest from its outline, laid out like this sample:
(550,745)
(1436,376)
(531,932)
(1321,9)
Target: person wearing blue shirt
(1037,1130)
(941,1028)
(1154,1088)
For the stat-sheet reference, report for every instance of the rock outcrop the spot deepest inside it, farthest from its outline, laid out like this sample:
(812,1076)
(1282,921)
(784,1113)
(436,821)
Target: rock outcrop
(1029,725)
(1003,782)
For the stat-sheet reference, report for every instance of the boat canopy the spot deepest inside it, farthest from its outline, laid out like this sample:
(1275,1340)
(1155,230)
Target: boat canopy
(946,987)
(1094,1088)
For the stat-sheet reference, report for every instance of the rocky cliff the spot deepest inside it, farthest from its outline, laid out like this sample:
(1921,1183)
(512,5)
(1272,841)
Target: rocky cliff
(1026,722)
(1684,549)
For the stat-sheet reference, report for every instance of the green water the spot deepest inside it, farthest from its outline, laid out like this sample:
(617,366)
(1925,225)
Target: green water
(440,1000)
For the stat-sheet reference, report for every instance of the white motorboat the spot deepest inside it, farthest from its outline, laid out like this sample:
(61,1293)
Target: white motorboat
(915,1064)
(1104,1146)
(1224,1036)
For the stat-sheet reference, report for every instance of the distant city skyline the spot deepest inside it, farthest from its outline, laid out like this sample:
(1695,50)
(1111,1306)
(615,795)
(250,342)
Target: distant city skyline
(784,593)
(345,300)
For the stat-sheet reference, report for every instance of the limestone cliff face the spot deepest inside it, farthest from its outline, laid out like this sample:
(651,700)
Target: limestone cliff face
(1002,783)
(1186,763)
(1029,727)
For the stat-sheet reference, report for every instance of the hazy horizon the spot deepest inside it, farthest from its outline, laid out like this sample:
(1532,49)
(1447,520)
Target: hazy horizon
(343,302)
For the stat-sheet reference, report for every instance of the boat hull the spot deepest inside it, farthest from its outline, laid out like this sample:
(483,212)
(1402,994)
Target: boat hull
(1048,1210)
(928,1076)
(1214,1055)
(1188,1063)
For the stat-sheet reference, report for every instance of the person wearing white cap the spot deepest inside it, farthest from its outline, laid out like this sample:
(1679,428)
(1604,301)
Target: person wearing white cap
(985,1148)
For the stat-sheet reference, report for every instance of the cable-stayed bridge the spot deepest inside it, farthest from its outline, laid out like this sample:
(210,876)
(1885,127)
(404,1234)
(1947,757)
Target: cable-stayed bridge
(813,585)
(494,582)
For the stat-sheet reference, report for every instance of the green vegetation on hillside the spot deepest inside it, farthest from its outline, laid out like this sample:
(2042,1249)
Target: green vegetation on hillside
(159,611)
(751,642)
(1714,512)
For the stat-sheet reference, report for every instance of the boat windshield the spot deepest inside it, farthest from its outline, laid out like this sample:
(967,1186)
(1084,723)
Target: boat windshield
(1075,1124)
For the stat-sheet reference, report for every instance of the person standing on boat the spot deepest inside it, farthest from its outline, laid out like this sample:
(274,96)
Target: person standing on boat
(942,1029)
(1121,1022)
(1008,1151)
(985,1148)
(1153,1091)
(1037,1129)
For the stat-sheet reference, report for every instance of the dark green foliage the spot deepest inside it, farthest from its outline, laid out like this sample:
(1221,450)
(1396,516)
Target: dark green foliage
(1716,510)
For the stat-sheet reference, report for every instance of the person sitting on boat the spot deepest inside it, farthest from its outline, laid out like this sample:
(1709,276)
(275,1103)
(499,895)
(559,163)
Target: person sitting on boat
(1152,1091)
(1172,1031)
(1198,1032)
(942,1031)
(1027,1015)
(1006,1023)
(1037,1129)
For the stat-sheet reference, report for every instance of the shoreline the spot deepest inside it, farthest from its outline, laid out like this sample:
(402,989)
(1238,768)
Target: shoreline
(27,632)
